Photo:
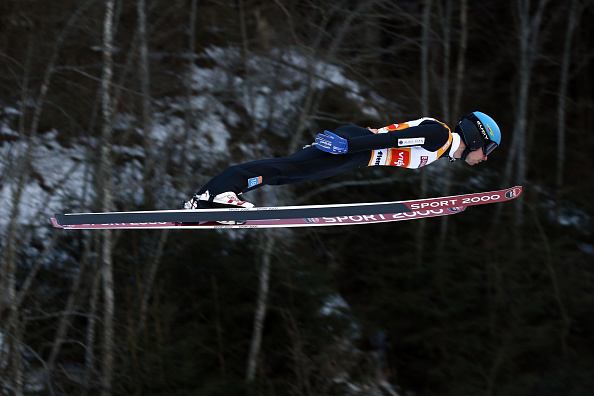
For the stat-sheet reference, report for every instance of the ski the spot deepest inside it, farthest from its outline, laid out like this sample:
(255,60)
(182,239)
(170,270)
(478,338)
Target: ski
(277,223)
(284,212)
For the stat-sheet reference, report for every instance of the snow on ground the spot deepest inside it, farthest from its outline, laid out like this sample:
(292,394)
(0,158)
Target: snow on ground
(568,214)
(57,175)
(61,178)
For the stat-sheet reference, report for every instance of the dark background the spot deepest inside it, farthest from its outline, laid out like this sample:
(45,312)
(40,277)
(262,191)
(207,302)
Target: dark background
(494,301)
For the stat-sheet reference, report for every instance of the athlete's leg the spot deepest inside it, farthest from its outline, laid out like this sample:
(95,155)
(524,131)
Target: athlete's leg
(305,165)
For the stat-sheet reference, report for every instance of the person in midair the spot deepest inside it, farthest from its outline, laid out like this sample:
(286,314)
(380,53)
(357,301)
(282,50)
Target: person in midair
(411,144)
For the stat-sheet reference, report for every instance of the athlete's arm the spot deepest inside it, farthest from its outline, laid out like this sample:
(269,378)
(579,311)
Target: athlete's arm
(432,135)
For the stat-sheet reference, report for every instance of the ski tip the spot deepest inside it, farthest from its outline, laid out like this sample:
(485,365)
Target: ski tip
(513,192)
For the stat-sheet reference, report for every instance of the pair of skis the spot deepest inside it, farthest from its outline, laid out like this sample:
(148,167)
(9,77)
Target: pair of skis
(285,216)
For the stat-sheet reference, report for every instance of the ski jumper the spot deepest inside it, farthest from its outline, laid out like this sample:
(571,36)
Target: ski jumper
(411,144)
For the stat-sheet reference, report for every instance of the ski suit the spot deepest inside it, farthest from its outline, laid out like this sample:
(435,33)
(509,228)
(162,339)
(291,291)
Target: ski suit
(411,144)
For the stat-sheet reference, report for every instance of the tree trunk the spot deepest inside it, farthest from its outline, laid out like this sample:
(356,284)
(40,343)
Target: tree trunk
(451,116)
(189,113)
(70,304)
(461,62)
(149,278)
(148,181)
(425,83)
(264,279)
(425,51)
(91,326)
(572,20)
(106,167)
(528,36)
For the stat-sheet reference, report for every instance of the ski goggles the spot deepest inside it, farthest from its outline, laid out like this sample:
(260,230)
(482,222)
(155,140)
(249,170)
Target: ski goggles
(475,135)
(489,147)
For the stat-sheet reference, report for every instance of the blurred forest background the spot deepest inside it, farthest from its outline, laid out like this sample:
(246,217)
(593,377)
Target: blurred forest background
(133,104)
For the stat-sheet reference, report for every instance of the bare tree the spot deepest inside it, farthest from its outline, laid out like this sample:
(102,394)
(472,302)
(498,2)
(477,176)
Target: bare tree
(106,168)
(261,304)
(10,353)
(425,44)
(149,166)
(528,31)
(445,11)
(454,109)
(73,297)
(426,40)
(10,300)
(189,113)
(149,278)
(311,103)
(461,61)
(90,358)
(573,17)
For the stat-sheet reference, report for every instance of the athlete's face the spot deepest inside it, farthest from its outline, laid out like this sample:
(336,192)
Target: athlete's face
(474,157)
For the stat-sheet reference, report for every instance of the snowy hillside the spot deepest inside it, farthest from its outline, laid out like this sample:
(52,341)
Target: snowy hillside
(221,105)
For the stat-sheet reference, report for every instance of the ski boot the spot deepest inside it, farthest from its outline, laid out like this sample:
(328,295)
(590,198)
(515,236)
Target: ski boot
(224,200)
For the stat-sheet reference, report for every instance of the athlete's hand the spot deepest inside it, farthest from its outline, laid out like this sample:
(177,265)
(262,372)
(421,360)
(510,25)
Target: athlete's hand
(332,143)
